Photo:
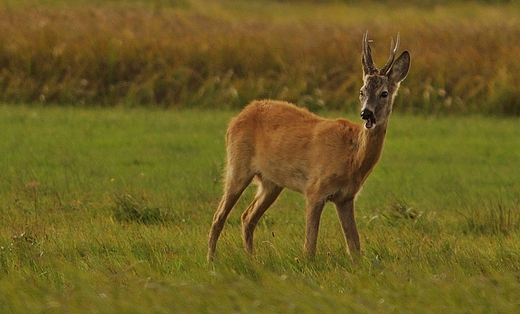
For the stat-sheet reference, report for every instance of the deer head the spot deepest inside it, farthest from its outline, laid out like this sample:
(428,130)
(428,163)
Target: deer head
(380,86)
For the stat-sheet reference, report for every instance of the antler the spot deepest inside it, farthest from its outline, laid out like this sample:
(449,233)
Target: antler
(390,62)
(369,66)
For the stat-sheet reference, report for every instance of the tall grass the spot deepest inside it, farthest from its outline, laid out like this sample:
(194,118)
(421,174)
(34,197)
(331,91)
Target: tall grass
(224,54)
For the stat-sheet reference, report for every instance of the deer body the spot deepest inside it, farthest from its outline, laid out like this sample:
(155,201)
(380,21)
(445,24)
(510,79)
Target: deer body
(283,146)
(311,152)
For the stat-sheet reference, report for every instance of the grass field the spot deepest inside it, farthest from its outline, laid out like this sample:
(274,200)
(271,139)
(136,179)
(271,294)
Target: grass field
(112,123)
(107,210)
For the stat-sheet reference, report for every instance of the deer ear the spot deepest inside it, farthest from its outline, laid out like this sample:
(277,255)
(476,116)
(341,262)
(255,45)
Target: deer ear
(400,68)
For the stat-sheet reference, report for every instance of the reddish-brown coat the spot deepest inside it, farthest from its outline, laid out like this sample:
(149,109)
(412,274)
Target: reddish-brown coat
(283,146)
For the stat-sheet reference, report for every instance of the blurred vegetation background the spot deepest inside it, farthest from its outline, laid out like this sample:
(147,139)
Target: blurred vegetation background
(223,54)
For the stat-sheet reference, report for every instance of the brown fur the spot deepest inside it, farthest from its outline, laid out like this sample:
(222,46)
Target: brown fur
(283,146)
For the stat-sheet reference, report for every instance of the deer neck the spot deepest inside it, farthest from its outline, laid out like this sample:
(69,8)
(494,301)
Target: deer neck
(370,148)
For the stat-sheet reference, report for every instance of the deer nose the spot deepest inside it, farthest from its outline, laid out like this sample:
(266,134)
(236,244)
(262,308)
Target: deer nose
(366,114)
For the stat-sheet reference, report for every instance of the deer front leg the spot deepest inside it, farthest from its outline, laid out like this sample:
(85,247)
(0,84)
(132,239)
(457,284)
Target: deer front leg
(313,215)
(345,209)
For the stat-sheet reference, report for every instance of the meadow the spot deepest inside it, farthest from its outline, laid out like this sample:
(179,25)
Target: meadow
(112,123)
(107,210)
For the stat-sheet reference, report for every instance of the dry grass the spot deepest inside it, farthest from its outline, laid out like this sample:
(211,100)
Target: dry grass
(220,55)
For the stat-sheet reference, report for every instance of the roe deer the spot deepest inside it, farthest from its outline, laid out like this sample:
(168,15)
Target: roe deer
(283,146)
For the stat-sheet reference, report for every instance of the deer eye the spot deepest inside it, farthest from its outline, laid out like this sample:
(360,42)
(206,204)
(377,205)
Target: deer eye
(384,94)
(361,93)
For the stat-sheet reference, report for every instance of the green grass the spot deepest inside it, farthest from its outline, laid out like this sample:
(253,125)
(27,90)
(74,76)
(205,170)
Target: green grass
(108,210)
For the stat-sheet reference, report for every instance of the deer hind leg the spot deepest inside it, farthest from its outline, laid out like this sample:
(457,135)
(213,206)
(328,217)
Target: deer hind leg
(313,215)
(265,196)
(235,183)
(346,217)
